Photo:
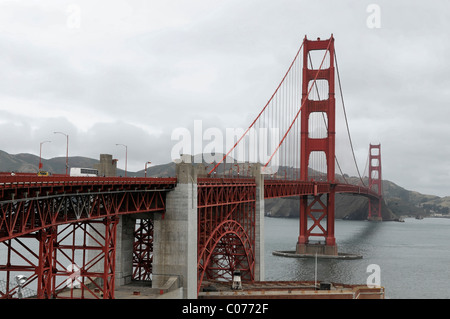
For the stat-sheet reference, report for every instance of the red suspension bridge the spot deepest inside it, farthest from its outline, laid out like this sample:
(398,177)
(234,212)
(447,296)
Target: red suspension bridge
(222,216)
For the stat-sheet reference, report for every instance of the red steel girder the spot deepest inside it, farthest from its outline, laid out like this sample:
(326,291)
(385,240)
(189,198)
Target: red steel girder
(27,215)
(218,247)
(143,250)
(46,264)
(226,228)
(59,249)
(94,273)
(286,188)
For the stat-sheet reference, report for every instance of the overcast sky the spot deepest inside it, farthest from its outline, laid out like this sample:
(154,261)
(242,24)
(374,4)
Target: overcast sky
(130,72)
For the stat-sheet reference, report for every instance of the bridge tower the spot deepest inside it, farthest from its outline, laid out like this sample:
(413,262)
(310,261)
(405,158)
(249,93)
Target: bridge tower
(321,206)
(375,182)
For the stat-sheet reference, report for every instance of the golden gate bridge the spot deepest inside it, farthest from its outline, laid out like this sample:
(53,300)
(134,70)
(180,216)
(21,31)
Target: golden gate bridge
(228,210)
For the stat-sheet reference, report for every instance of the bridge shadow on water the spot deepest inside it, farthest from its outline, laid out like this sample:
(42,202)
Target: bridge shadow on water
(353,237)
(355,232)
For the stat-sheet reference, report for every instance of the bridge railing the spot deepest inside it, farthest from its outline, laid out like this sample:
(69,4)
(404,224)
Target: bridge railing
(25,181)
(285,188)
(354,189)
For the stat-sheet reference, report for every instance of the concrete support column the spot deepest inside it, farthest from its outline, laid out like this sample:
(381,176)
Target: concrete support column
(175,234)
(259,223)
(124,250)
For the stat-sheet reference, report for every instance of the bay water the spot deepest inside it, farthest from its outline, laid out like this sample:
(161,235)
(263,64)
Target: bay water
(413,256)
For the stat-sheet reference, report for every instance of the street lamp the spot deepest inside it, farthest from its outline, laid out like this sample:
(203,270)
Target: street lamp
(126,157)
(67,149)
(146,167)
(40,153)
(20,280)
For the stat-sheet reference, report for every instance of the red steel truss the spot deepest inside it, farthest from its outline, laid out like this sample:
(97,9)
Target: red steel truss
(226,220)
(143,250)
(47,241)
(28,204)
(285,188)
(375,183)
(76,261)
(226,228)
(32,208)
(53,211)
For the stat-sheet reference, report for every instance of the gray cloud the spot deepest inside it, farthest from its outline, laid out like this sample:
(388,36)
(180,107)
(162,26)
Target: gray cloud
(136,70)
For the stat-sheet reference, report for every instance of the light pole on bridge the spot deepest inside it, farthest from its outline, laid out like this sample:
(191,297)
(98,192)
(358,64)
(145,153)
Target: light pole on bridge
(146,167)
(40,153)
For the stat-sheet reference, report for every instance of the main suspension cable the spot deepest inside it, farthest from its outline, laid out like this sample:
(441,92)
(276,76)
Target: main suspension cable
(262,111)
(300,109)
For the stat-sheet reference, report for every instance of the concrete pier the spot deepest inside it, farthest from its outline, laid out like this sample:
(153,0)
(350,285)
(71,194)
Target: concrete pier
(175,242)
(320,249)
(259,223)
(175,233)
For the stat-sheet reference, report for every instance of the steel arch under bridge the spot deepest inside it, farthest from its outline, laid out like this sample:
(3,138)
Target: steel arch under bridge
(226,228)
(227,219)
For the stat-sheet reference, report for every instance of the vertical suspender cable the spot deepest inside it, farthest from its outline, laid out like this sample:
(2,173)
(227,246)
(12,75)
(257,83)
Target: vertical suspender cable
(259,115)
(296,116)
(345,116)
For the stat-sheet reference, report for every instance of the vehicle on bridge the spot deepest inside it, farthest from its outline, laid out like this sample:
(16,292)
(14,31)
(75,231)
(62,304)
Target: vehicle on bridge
(78,171)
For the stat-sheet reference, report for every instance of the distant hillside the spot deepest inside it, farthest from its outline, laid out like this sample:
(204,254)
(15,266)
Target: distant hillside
(28,163)
(399,201)
(347,207)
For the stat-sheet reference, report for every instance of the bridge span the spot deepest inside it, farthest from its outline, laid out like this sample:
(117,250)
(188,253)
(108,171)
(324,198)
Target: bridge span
(99,233)
(190,227)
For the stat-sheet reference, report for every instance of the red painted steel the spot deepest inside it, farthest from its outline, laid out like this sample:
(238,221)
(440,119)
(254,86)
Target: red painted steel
(226,228)
(375,182)
(319,208)
(286,188)
(62,262)
(143,250)
(47,257)
(94,273)
(34,207)
(109,260)
(29,204)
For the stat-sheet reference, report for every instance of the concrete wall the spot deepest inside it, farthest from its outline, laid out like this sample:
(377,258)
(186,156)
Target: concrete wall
(259,223)
(124,250)
(175,236)
(107,166)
